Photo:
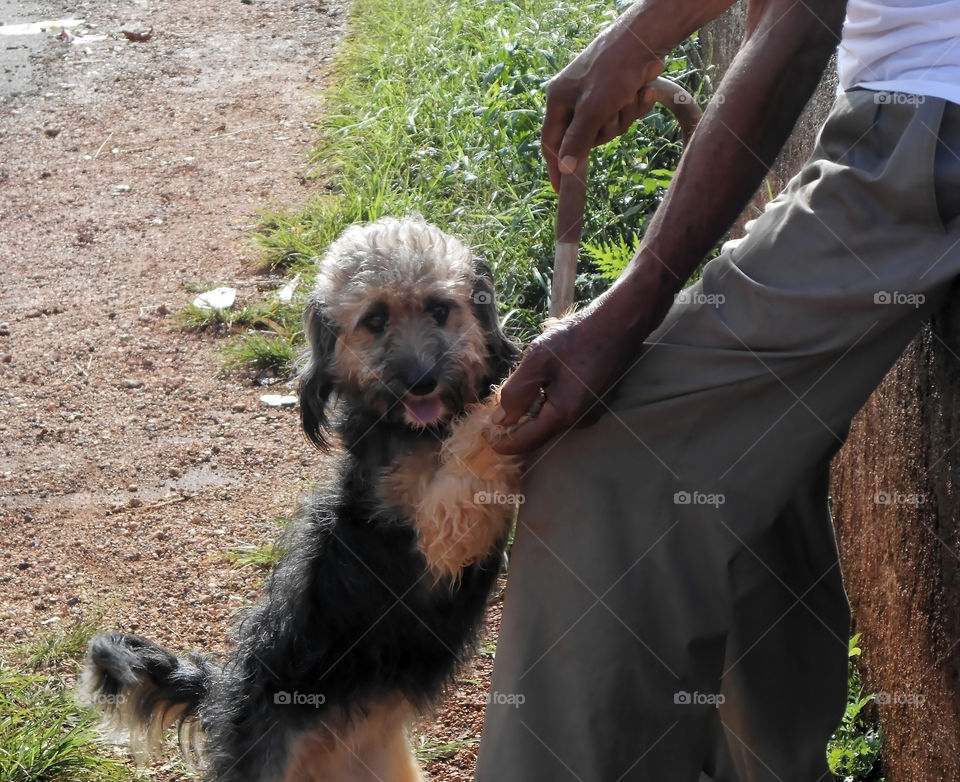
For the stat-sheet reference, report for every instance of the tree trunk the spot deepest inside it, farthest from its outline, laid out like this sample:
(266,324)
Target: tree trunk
(896,496)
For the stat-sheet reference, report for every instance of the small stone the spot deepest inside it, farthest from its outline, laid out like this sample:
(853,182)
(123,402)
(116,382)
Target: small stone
(130,383)
(133,487)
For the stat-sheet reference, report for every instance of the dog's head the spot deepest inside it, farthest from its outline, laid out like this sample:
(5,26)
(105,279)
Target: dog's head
(402,322)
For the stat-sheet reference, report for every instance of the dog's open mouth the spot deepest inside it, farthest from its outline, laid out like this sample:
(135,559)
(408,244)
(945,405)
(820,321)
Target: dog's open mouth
(423,410)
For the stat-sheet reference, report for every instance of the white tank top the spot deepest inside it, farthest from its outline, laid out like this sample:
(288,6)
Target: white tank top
(910,46)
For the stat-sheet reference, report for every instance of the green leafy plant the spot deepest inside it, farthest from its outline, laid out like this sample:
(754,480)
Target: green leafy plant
(612,258)
(853,751)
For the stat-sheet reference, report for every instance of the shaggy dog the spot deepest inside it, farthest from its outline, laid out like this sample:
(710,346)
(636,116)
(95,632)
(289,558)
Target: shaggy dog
(384,579)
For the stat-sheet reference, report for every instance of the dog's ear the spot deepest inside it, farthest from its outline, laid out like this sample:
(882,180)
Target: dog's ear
(316,380)
(503,352)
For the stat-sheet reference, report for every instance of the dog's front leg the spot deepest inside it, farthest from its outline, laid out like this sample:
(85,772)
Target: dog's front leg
(466,506)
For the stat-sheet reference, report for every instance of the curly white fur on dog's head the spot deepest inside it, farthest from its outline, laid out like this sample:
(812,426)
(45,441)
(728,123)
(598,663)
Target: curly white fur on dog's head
(397,257)
(402,322)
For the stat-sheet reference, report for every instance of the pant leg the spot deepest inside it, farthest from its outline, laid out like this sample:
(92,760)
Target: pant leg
(669,554)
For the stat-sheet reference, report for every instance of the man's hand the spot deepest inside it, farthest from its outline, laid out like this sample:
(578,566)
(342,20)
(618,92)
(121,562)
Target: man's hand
(595,99)
(603,91)
(598,96)
(567,371)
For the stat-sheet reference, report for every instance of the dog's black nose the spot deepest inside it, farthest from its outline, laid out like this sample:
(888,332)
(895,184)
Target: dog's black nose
(421,383)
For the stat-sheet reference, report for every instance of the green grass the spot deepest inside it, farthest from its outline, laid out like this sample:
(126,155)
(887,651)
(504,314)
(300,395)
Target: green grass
(263,351)
(62,648)
(435,750)
(257,557)
(267,331)
(436,109)
(44,735)
(260,557)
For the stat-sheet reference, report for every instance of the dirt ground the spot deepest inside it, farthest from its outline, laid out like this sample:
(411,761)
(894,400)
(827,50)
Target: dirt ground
(128,170)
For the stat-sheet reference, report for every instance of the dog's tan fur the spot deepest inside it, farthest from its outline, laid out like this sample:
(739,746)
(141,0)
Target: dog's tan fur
(460,495)
(374,747)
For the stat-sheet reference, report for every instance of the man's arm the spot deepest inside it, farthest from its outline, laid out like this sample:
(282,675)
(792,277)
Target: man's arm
(779,64)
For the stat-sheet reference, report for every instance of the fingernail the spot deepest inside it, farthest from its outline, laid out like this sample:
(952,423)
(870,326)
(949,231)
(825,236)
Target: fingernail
(568,164)
(498,415)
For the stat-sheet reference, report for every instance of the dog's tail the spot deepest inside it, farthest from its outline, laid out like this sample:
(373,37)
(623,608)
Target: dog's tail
(141,690)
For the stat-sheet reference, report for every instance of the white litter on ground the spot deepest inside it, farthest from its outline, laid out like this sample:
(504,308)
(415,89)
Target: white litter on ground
(39,28)
(217,299)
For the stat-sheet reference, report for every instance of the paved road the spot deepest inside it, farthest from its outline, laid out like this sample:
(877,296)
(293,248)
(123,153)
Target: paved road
(22,56)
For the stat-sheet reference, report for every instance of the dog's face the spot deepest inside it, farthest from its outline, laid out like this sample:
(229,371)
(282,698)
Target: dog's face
(403,323)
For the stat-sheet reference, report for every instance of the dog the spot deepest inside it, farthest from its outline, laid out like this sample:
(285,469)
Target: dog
(384,578)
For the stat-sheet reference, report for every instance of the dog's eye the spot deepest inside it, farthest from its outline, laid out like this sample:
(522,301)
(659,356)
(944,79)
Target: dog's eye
(439,311)
(375,322)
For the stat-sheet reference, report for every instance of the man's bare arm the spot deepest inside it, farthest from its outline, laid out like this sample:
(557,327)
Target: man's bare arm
(776,70)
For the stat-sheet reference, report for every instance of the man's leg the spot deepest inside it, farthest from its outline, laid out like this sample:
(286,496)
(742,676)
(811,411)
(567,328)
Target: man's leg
(675,605)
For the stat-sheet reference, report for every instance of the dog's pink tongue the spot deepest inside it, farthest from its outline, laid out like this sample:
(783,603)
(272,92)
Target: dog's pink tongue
(424,411)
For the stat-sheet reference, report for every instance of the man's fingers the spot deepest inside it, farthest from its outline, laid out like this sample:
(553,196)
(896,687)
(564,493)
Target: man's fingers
(530,435)
(555,122)
(576,144)
(519,393)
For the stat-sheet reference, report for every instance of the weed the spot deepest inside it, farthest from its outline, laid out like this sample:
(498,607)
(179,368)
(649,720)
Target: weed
(62,647)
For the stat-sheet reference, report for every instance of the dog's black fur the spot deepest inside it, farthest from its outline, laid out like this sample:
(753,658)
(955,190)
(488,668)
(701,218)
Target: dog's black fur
(348,615)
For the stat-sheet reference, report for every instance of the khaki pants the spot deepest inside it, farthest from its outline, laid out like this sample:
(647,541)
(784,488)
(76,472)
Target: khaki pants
(675,610)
